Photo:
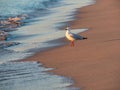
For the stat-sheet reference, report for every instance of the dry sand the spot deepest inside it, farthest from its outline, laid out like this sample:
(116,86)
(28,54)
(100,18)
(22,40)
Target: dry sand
(94,63)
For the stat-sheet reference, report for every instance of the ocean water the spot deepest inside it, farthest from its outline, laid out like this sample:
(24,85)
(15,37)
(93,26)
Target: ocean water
(31,76)
(42,25)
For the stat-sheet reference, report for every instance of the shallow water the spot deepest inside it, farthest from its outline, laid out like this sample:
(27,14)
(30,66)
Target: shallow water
(30,76)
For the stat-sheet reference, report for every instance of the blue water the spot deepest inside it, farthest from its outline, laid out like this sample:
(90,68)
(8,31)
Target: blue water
(42,25)
(16,7)
(31,76)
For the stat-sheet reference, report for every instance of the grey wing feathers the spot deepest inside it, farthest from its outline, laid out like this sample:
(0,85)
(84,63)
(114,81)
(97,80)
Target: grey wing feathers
(78,37)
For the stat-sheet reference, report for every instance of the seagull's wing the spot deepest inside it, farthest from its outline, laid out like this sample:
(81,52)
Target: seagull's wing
(71,35)
(77,37)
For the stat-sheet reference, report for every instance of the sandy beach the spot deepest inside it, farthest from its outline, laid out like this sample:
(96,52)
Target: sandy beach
(93,63)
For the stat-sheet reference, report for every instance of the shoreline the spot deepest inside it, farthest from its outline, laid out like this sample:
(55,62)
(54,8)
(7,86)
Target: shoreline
(94,63)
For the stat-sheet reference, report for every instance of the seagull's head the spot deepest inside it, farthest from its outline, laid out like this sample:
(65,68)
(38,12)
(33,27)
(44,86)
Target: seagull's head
(67,28)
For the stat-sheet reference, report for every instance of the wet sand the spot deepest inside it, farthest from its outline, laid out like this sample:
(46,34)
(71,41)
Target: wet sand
(94,63)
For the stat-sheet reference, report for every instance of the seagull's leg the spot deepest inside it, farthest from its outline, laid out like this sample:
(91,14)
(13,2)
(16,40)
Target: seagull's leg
(72,44)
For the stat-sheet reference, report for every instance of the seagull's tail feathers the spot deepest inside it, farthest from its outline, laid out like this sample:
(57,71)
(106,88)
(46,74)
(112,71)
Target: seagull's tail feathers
(84,37)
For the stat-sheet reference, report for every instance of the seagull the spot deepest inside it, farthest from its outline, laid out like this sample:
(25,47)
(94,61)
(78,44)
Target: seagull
(72,37)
